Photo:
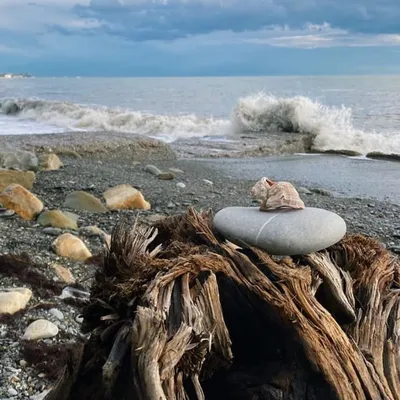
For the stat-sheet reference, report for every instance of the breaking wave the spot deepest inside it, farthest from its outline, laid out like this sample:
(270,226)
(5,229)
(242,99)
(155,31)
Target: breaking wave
(330,128)
(75,117)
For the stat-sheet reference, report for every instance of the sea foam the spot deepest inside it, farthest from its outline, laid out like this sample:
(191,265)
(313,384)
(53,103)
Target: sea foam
(330,128)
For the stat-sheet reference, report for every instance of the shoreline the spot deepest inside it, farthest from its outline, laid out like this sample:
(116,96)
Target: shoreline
(119,144)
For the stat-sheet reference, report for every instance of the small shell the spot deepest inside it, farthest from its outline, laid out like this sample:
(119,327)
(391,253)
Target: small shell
(260,190)
(276,195)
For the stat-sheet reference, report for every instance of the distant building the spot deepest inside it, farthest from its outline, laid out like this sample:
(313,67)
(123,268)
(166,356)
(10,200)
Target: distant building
(10,76)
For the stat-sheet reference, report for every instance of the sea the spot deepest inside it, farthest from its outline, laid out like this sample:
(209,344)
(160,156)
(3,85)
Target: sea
(359,113)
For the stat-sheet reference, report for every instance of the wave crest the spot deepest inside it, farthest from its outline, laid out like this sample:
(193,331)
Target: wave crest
(329,128)
(83,117)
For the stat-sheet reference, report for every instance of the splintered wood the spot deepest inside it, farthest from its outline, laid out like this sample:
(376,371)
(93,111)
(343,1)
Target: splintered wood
(159,330)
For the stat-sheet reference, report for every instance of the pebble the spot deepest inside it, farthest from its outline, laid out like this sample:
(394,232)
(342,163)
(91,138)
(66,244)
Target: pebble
(176,170)
(281,232)
(12,392)
(171,205)
(395,249)
(40,329)
(71,247)
(166,176)
(152,169)
(63,273)
(180,185)
(56,313)
(14,300)
(303,190)
(206,181)
(125,197)
(91,230)
(322,192)
(52,231)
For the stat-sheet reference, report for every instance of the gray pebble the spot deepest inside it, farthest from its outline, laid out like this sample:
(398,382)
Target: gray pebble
(52,231)
(303,190)
(56,313)
(152,169)
(12,392)
(322,192)
(395,249)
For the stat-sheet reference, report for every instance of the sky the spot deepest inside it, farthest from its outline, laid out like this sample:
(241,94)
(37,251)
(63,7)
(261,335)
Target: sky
(199,37)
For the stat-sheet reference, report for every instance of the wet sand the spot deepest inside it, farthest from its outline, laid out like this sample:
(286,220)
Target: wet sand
(345,176)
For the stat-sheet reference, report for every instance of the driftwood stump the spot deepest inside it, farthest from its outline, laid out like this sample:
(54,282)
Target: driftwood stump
(176,312)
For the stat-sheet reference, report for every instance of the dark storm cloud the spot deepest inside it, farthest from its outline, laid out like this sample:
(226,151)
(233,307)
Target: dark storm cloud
(168,20)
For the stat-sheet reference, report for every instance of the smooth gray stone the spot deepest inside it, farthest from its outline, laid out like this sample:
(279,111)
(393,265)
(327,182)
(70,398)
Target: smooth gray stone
(19,159)
(283,232)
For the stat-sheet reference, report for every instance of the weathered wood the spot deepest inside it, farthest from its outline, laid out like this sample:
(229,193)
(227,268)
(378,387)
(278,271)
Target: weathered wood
(115,359)
(326,325)
(338,286)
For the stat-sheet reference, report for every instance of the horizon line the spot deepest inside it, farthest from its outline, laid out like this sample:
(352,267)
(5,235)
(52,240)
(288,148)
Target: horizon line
(350,74)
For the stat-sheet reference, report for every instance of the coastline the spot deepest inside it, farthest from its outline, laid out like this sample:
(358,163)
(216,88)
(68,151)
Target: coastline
(107,161)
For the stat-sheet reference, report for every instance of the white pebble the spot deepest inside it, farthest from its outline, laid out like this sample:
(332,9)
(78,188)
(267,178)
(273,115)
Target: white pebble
(208,182)
(40,329)
(56,313)
(180,185)
(12,392)
(79,319)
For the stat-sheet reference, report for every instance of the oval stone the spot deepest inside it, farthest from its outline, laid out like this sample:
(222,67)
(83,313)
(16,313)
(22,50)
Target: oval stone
(40,329)
(281,232)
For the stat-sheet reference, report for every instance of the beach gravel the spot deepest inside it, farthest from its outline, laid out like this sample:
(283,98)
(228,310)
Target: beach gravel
(19,378)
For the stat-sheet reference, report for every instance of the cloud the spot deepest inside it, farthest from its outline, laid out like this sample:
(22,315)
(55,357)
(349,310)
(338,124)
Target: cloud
(6,50)
(195,35)
(141,20)
(166,20)
(42,16)
(317,36)
(310,36)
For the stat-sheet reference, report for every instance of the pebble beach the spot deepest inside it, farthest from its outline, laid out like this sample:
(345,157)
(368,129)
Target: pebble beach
(60,285)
